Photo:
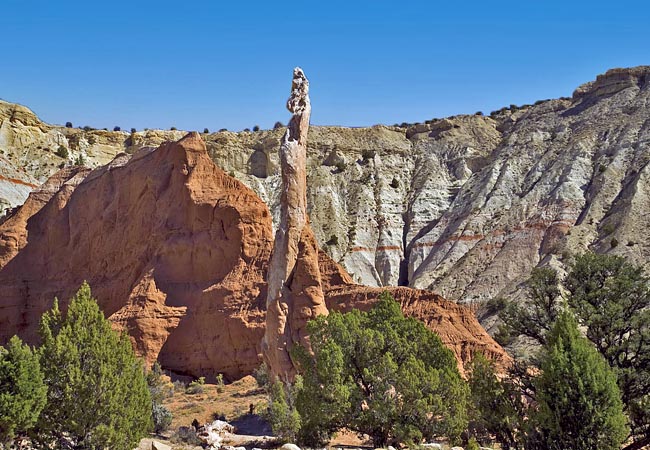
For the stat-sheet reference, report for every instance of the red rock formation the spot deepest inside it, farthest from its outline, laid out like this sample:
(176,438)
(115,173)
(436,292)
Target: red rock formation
(176,252)
(295,293)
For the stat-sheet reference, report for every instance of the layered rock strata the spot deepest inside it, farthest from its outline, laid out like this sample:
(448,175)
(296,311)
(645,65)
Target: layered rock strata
(176,252)
(466,205)
(295,293)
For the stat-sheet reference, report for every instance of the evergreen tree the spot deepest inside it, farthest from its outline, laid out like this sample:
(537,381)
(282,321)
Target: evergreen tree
(579,404)
(611,297)
(97,392)
(496,408)
(22,391)
(380,374)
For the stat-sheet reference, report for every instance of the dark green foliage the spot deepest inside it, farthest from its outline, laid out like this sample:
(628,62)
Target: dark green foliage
(256,128)
(68,124)
(534,319)
(579,404)
(22,391)
(206,131)
(173,129)
(221,130)
(247,130)
(133,130)
(611,297)
(496,408)
(80,160)
(381,374)
(283,416)
(116,128)
(62,152)
(394,183)
(278,125)
(97,391)
(88,128)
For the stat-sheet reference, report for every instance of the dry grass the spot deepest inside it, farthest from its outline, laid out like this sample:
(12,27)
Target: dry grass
(233,401)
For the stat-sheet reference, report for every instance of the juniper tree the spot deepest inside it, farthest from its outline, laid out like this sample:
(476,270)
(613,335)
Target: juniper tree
(97,392)
(381,374)
(22,391)
(579,404)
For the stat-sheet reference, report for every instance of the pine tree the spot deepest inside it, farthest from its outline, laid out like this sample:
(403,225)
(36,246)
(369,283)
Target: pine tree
(579,403)
(22,391)
(97,391)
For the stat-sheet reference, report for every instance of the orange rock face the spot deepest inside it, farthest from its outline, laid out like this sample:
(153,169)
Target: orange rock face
(177,253)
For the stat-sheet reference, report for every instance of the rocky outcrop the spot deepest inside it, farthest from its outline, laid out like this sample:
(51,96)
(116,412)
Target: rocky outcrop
(295,293)
(177,252)
(465,205)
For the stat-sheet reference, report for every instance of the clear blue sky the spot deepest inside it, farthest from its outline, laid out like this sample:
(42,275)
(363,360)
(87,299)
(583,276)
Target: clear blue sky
(216,64)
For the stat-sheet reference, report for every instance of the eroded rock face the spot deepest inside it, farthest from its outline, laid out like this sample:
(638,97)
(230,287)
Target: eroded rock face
(295,293)
(466,205)
(177,252)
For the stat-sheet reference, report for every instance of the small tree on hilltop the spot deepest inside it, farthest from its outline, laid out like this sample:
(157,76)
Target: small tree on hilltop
(22,391)
(579,403)
(97,392)
(381,374)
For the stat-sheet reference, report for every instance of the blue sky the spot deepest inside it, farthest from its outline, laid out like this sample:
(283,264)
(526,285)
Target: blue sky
(228,65)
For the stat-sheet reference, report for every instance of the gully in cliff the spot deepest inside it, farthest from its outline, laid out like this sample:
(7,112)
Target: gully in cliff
(295,293)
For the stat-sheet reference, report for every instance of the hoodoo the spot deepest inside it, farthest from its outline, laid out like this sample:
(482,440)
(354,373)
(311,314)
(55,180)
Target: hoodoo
(295,292)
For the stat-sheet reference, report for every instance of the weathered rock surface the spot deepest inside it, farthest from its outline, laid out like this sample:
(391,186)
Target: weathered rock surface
(466,205)
(295,292)
(176,252)
(174,249)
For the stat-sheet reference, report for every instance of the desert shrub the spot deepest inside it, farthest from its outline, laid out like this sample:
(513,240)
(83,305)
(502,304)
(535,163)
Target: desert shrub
(221,130)
(282,413)
(80,160)
(116,128)
(278,125)
(367,154)
(333,240)
(133,130)
(186,435)
(262,376)
(97,392)
(247,130)
(162,417)
(206,131)
(340,166)
(196,386)
(22,390)
(62,152)
(394,183)
(68,124)
(179,386)
(217,415)
(256,128)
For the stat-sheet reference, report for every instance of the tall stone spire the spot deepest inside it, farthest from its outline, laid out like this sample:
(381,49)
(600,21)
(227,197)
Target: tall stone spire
(295,293)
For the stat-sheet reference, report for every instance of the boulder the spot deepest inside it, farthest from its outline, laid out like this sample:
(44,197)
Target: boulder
(155,445)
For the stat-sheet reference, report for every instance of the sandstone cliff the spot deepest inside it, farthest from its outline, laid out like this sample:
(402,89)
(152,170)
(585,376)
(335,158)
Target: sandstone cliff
(466,205)
(177,253)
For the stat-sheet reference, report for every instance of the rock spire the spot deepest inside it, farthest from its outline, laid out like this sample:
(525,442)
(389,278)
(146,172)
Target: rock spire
(295,292)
